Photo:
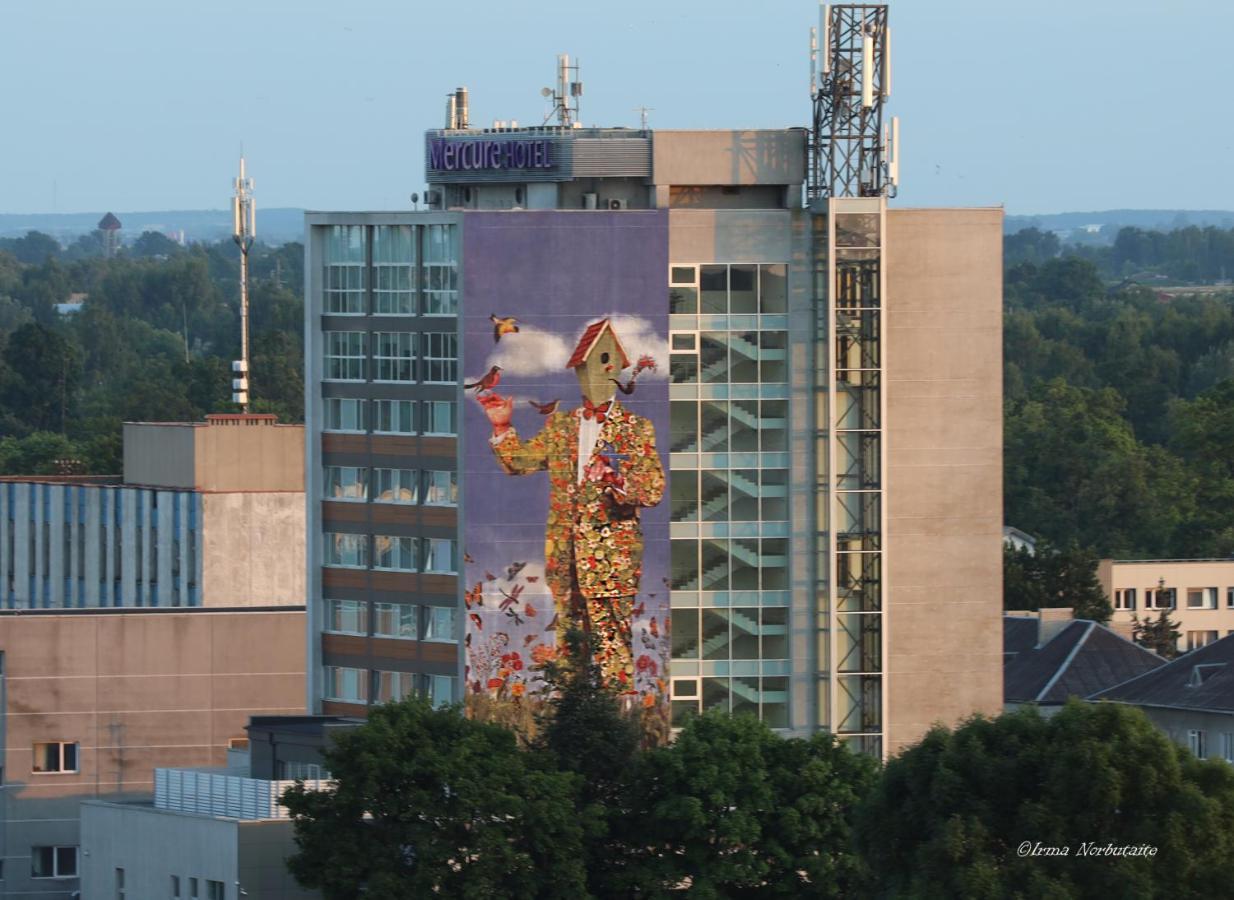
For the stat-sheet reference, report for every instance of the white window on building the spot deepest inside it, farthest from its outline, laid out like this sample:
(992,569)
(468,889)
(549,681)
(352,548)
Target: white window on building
(53,862)
(1197,639)
(394,356)
(440,270)
(439,624)
(440,689)
(396,620)
(1195,741)
(349,551)
(394,554)
(343,280)
(347,616)
(55,756)
(439,556)
(1202,598)
(440,417)
(394,417)
(440,488)
(1227,746)
(392,686)
(345,483)
(347,685)
(395,485)
(345,355)
(394,270)
(1124,598)
(440,357)
(341,414)
(1159,598)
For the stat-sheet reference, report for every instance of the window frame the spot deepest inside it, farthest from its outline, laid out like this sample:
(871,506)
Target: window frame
(336,403)
(62,770)
(388,367)
(333,356)
(55,861)
(428,487)
(334,612)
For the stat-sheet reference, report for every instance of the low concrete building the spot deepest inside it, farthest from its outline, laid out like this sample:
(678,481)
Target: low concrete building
(1050,657)
(1191,699)
(94,700)
(1198,593)
(206,514)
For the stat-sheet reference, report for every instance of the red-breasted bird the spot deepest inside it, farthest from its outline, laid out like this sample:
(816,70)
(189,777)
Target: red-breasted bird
(544,409)
(490,380)
(503,325)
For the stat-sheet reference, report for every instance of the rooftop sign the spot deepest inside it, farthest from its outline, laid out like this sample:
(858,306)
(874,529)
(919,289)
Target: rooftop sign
(489,154)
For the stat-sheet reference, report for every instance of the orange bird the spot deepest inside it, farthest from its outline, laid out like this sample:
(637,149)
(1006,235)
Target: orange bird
(503,325)
(544,409)
(490,380)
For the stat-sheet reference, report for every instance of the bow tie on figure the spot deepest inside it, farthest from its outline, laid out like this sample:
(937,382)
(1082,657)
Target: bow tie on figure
(597,411)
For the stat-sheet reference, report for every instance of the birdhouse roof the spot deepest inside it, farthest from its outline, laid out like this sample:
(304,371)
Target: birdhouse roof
(109,223)
(589,340)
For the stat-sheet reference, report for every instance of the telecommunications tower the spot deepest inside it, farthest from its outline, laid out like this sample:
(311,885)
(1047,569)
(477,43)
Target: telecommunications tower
(243,230)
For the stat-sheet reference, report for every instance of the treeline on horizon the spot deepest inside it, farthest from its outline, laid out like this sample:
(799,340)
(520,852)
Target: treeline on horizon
(1119,402)
(153,342)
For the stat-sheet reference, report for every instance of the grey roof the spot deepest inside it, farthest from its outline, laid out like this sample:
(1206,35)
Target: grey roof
(1202,679)
(1082,659)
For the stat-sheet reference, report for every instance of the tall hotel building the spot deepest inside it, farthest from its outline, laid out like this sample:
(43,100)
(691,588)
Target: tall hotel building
(833,407)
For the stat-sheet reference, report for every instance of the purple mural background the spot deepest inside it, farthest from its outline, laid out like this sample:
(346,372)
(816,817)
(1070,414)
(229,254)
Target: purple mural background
(557,273)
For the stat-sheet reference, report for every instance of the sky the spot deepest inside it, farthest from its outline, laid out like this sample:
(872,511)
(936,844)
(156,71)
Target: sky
(1050,106)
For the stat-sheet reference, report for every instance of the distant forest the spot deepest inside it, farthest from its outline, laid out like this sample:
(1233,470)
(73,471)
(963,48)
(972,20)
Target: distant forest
(1119,399)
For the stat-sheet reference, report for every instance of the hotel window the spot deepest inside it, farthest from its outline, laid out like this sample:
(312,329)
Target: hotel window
(394,554)
(440,417)
(1202,598)
(346,483)
(394,356)
(394,417)
(439,624)
(439,556)
(348,685)
(55,756)
(344,277)
(347,551)
(347,616)
(440,488)
(53,862)
(683,290)
(345,352)
(440,270)
(393,686)
(1198,639)
(394,268)
(343,415)
(394,485)
(1124,598)
(1227,746)
(440,357)
(1196,743)
(396,620)
(440,689)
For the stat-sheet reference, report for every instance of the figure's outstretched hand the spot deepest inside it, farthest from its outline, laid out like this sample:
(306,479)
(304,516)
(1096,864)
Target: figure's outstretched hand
(499,411)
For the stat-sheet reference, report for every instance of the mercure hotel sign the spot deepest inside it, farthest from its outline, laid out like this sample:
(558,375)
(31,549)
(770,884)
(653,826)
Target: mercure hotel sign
(472,155)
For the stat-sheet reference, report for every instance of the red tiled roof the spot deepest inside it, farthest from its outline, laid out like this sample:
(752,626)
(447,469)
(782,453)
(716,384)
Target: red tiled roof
(588,340)
(109,223)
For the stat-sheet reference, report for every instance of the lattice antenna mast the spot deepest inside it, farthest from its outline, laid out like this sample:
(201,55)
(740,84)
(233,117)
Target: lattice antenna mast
(853,152)
(243,231)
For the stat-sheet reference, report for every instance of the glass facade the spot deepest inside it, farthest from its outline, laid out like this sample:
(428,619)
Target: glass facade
(729,489)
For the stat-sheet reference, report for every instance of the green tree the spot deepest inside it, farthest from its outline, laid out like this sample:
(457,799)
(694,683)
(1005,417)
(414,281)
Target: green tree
(43,372)
(961,813)
(1159,635)
(734,810)
(429,803)
(1052,576)
(39,453)
(152,245)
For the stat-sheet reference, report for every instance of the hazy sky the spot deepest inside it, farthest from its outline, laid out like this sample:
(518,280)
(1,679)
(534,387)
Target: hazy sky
(1044,107)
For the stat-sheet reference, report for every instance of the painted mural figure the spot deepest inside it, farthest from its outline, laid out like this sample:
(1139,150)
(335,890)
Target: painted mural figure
(603,468)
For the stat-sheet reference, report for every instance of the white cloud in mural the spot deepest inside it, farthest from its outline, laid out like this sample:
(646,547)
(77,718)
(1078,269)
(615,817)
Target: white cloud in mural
(640,338)
(533,352)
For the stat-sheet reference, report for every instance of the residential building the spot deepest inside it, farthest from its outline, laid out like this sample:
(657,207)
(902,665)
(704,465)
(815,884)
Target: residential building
(93,700)
(1197,593)
(1191,699)
(205,514)
(829,422)
(1050,657)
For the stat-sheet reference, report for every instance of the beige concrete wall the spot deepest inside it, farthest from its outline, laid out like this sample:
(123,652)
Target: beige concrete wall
(253,549)
(728,157)
(734,236)
(250,458)
(159,454)
(136,689)
(1180,575)
(944,468)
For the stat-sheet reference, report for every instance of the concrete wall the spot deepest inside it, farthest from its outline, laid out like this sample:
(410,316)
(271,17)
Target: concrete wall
(136,689)
(159,454)
(728,157)
(1181,575)
(253,549)
(229,454)
(264,848)
(732,236)
(944,468)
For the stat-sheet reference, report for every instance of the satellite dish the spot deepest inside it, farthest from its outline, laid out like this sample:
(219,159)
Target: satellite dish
(415,198)
(546,92)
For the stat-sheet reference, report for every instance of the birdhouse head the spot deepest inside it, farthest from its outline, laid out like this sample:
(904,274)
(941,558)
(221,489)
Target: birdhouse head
(598,360)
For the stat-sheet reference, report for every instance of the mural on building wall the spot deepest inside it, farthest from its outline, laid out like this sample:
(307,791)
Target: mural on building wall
(565,474)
